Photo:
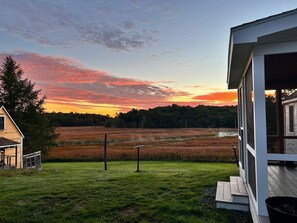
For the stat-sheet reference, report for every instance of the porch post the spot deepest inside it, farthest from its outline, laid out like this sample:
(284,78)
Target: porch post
(260,133)
(16,157)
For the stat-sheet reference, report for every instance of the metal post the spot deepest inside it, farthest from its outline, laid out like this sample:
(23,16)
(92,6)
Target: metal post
(235,155)
(137,147)
(280,121)
(137,159)
(105,152)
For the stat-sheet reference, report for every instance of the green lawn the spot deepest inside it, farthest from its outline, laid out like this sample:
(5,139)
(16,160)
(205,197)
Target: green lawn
(83,192)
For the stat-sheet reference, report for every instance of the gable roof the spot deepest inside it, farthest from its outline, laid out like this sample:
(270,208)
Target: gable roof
(265,19)
(277,28)
(4,109)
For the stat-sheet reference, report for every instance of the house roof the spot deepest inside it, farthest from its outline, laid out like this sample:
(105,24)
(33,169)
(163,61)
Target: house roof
(291,98)
(243,38)
(4,109)
(4,142)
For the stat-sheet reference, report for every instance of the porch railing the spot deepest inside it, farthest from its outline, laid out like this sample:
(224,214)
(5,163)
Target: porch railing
(32,160)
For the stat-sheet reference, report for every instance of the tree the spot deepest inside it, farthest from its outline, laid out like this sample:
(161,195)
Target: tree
(25,105)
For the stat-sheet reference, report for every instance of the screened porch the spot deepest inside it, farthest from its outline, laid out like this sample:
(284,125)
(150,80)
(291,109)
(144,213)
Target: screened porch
(281,123)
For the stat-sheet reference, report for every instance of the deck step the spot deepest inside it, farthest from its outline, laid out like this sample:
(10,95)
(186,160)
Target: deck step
(225,199)
(238,190)
(223,192)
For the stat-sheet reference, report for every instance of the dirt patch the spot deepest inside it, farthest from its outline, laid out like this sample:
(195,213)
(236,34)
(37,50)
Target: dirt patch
(209,196)
(79,206)
(128,211)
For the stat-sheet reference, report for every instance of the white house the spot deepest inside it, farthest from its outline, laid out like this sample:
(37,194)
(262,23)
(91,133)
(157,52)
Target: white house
(290,127)
(262,65)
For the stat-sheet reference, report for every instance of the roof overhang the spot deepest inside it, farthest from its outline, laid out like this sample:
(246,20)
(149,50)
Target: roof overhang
(6,143)
(243,39)
(290,101)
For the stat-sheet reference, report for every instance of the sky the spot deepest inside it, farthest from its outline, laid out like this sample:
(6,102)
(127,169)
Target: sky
(111,56)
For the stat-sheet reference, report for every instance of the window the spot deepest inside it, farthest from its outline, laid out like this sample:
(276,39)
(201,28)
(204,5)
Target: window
(2,122)
(291,118)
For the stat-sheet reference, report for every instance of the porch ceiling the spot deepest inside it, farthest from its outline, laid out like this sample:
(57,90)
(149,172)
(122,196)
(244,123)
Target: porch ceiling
(4,142)
(281,71)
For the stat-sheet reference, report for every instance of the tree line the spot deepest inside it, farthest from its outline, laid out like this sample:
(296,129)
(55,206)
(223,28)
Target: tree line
(173,116)
(76,119)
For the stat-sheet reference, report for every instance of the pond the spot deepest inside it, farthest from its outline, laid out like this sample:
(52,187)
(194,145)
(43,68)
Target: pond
(227,133)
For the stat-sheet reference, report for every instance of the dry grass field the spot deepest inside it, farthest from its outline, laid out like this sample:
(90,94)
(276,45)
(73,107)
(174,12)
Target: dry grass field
(86,143)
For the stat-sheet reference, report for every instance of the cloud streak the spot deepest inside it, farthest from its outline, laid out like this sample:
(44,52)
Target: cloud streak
(71,86)
(66,81)
(218,98)
(57,23)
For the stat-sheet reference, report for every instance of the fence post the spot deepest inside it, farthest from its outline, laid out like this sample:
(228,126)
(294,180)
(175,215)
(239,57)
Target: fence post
(137,147)
(235,155)
(105,152)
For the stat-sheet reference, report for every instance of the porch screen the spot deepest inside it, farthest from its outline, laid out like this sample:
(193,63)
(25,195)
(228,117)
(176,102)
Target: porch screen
(281,102)
(240,127)
(249,106)
(252,174)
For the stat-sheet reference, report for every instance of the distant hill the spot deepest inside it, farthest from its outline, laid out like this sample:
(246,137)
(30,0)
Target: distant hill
(173,116)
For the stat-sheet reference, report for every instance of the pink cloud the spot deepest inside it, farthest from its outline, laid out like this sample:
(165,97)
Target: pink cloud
(66,81)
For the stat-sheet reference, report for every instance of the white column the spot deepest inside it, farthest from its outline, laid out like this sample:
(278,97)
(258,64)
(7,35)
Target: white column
(260,133)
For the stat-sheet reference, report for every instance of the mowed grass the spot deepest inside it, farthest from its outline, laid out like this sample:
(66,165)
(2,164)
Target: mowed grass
(189,144)
(83,192)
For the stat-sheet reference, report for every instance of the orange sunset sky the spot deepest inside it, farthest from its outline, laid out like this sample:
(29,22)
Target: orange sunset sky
(111,56)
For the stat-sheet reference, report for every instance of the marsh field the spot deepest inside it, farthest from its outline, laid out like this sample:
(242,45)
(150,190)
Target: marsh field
(186,144)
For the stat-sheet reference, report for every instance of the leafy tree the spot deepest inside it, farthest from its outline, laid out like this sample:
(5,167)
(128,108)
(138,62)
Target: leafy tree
(25,105)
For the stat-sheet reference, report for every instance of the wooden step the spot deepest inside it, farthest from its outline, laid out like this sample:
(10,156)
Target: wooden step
(238,190)
(237,186)
(223,192)
(224,199)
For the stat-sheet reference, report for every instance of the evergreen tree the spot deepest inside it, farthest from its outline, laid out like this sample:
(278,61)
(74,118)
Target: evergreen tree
(25,105)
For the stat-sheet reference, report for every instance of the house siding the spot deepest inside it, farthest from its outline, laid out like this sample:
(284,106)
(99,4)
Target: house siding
(290,144)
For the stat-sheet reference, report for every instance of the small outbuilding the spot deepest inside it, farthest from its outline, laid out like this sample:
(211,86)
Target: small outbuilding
(11,142)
